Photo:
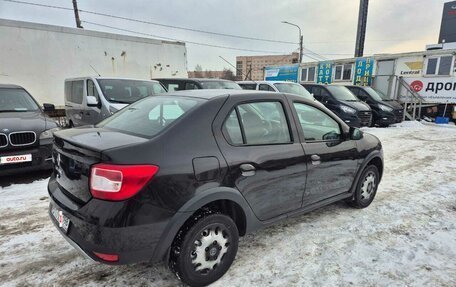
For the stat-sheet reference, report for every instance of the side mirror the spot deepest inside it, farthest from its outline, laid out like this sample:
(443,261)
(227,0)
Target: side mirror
(48,107)
(92,101)
(355,133)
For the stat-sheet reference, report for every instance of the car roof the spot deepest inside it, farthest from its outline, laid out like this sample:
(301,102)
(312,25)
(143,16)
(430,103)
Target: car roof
(194,79)
(109,78)
(209,94)
(265,82)
(10,86)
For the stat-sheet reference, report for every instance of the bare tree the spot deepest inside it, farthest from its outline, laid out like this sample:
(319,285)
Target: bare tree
(198,71)
(228,75)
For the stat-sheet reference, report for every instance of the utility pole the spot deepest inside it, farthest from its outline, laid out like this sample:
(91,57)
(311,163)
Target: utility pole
(361,31)
(300,39)
(76,14)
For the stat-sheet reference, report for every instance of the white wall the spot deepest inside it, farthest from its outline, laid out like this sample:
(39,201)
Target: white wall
(39,57)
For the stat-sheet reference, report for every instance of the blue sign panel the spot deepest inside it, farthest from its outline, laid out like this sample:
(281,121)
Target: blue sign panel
(324,73)
(363,71)
(282,73)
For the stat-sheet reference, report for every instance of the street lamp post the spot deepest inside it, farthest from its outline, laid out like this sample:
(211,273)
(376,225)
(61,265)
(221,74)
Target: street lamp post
(300,39)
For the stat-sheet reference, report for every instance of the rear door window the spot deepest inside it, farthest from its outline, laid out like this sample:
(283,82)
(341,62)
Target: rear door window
(260,123)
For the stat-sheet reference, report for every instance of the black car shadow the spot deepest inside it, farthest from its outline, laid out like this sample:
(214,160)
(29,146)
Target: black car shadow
(29,177)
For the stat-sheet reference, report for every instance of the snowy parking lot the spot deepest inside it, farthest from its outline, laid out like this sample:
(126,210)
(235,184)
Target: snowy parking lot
(407,237)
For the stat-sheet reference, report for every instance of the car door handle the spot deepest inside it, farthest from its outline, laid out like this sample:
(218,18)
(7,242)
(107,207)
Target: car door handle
(316,160)
(247,169)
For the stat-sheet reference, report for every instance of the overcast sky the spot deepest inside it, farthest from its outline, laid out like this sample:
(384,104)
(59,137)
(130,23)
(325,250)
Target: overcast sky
(328,26)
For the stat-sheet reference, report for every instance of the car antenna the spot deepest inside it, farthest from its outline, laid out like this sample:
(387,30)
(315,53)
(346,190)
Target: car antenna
(95,70)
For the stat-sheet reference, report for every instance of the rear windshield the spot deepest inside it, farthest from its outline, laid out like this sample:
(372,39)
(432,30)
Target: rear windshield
(128,91)
(220,85)
(292,88)
(150,116)
(342,93)
(16,100)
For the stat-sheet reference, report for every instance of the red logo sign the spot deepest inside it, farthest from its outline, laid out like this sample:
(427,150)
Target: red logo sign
(17,158)
(416,85)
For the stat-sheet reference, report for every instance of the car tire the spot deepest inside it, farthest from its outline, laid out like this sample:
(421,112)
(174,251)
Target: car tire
(366,188)
(204,249)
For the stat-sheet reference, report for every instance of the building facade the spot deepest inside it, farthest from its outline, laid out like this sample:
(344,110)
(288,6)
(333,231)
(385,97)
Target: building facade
(253,67)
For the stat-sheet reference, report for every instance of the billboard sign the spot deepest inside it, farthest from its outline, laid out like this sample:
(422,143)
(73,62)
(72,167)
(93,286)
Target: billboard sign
(409,66)
(433,90)
(363,71)
(324,73)
(283,73)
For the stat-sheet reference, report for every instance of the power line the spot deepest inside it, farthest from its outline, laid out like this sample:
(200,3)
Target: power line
(188,42)
(156,24)
(196,30)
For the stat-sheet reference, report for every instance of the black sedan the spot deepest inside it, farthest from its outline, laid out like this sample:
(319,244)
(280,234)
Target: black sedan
(179,177)
(25,132)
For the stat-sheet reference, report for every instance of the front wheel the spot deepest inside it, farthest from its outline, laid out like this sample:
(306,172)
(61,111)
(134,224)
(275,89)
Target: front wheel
(204,249)
(366,188)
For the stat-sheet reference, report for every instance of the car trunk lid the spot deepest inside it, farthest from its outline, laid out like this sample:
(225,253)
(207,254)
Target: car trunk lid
(76,150)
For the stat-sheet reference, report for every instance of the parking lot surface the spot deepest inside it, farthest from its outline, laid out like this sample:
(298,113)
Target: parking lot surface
(407,237)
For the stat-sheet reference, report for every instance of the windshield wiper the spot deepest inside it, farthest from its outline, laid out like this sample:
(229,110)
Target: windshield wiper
(119,102)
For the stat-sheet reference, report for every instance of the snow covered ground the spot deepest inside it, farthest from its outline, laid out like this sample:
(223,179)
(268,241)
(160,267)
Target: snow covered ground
(407,237)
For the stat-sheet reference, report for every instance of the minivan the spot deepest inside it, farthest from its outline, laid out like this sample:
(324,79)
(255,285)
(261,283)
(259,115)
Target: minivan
(89,100)
(384,112)
(180,177)
(276,86)
(343,103)
(180,84)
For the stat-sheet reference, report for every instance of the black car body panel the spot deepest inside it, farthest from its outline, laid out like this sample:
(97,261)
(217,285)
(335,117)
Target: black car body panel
(380,116)
(199,167)
(360,117)
(20,132)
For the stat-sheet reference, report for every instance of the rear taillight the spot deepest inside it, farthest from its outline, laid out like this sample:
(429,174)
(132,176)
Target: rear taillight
(119,182)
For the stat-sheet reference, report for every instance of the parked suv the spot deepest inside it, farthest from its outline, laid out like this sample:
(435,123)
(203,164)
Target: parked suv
(384,112)
(276,86)
(180,84)
(25,132)
(180,177)
(89,100)
(343,103)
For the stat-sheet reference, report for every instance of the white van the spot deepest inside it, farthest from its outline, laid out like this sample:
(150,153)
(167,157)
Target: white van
(89,100)
(276,86)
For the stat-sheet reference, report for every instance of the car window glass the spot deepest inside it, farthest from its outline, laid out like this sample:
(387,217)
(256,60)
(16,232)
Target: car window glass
(232,129)
(149,116)
(264,87)
(264,123)
(77,90)
(16,100)
(124,91)
(68,91)
(190,86)
(173,87)
(248,86)
(92,90)
(317,125)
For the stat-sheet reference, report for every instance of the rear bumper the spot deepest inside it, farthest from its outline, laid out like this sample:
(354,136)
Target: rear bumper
(41,160)
(110,227)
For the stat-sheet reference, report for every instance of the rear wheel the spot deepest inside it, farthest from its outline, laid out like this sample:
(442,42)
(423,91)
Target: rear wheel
(366,188)
(204,249)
